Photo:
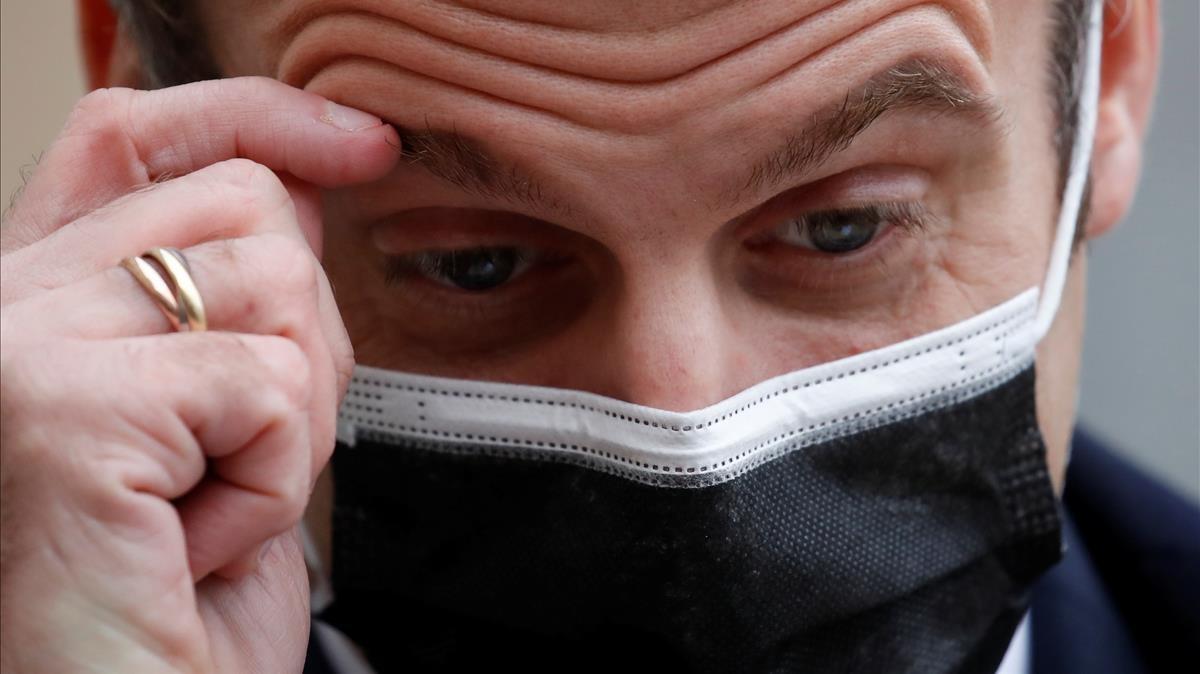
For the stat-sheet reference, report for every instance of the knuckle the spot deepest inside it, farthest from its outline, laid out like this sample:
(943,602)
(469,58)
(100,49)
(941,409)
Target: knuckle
(277,278)
(293,495)
(248,172)
(343,364)
(289,490)
(246,187)
(282,395)
(287,265)
(99,125)
(100,107)
(288,372)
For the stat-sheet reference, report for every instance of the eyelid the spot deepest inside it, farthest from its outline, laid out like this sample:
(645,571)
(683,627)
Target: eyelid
(909,216)
(425,265)
(446,228)
(852,188)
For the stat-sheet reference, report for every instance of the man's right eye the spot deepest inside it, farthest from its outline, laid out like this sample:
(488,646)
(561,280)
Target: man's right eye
(471,269)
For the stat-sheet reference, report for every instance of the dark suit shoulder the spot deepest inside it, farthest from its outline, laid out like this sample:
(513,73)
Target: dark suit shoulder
(1127,595)
(315,661)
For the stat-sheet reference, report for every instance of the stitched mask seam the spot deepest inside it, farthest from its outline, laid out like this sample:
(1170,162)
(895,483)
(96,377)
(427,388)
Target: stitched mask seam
(838,427)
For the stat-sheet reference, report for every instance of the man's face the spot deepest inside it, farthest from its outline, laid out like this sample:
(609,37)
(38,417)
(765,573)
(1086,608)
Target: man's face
(676,200)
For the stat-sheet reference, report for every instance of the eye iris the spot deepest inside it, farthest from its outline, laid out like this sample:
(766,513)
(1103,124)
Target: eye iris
(479,268)
(842,233)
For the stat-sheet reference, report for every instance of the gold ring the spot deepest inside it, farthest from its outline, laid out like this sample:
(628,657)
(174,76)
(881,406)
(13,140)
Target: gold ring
(176,294)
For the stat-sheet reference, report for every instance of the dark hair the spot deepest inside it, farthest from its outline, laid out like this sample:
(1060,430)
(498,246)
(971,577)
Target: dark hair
(1069,19)
(173,51)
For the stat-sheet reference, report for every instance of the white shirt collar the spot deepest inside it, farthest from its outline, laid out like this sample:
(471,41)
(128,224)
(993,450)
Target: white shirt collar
(1019,657)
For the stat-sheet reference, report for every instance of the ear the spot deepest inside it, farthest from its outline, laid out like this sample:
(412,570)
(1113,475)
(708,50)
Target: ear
(1129,73)
(110,57)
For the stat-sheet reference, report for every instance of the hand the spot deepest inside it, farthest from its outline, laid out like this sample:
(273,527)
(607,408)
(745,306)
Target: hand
(151,480)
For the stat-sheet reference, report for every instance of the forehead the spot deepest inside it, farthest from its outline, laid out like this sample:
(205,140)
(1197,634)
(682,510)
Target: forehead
(619,84)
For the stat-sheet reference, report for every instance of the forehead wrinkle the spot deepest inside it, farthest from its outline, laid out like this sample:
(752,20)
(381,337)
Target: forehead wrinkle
(631,17)
(590,51)
(637,107)
(297,68)
(511,120)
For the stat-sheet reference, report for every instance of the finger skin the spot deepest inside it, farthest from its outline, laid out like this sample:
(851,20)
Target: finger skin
(279,583)
(258,283)
(99,441)
(118,139)
(136,462)
(120,455)
(267,284)
(247,291)
(231,198)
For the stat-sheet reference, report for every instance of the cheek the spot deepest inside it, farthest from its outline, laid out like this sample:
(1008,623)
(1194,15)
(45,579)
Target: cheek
(1025,197)
(1004,214)
(1000,251)
(349,264)
(1058,357)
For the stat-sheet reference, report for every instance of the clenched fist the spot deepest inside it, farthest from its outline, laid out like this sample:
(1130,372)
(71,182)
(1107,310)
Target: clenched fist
(152,480)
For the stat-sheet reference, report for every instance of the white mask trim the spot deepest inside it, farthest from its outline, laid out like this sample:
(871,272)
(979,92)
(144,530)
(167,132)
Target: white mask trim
(1081,159)
(707,446)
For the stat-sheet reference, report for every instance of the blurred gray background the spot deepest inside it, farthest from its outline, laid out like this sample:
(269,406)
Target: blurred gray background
(1140,387)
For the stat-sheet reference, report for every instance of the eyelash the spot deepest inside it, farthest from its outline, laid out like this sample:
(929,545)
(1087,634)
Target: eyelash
(909,216)
(431,263)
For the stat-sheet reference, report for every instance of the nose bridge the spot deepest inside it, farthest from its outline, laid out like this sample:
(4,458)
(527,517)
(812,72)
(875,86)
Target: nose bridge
(666,349)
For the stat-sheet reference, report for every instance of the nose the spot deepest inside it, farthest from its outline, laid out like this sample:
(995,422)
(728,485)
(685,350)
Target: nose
(665,343)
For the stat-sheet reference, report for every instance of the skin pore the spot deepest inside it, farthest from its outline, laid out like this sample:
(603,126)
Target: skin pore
(649,162)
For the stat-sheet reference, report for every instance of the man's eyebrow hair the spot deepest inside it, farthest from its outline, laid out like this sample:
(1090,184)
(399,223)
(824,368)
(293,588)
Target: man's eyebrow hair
(465,163)
(915,83)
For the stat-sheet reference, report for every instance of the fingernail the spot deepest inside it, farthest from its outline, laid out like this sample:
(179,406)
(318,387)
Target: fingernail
(349,119)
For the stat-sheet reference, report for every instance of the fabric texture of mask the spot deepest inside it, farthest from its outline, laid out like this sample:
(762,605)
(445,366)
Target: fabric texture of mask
(882,513)
(791,528)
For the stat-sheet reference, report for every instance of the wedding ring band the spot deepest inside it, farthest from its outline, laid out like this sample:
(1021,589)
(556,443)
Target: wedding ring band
(165,275)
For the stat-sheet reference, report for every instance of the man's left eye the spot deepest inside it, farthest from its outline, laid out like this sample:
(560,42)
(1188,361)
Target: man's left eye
(843,230)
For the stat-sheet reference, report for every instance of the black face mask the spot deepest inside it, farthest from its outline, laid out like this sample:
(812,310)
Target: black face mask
(488,526)
(906,548)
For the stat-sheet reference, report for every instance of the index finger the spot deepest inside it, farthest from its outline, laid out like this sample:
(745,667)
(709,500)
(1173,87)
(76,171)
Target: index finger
(118,139)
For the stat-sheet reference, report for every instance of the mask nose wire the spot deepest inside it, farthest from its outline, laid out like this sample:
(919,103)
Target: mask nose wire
(1073,194)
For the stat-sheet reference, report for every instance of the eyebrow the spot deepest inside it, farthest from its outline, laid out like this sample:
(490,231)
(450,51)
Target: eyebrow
(465,163)
(916,83)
